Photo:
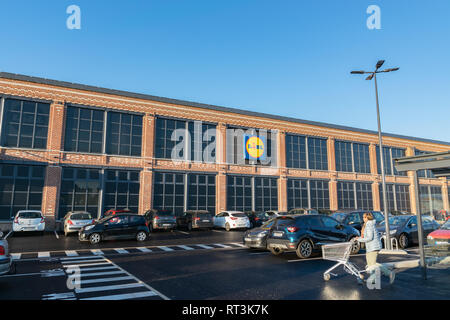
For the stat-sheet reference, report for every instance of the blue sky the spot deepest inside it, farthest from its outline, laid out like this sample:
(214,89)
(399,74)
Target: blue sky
(290,58)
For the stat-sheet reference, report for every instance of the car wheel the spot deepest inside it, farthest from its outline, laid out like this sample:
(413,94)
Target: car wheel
(275,251)
(227,227)
(403,241)
(94,238)
(141,236)
(355,247)
(304,249)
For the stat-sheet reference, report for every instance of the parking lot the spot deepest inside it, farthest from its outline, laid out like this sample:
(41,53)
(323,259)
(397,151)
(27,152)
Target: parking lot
(195,265)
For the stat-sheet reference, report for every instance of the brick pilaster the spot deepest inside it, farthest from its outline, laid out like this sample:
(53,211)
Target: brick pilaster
(145,190)
(331,150)
(146,175)
(50,196)
(56,128)
(334,203)
(221,192)
(282,193)
(376,197)
(445,197)
(373,159)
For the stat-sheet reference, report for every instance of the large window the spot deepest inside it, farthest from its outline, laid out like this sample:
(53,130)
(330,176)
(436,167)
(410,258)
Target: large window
(306,152)
(121,190)
(355,195)
(346,195)
(80,191)
(20,189)
(430,199)
(239,193)
(169,191)
(424,173)
(235,146)
(364,196)
(390,153)
(302,193)
(124,134)
(202,135)
(25,124)
(266,194)
(84,130)
(352,157)
(202,192)
(397,197)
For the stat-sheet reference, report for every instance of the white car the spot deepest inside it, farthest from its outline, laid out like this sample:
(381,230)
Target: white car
(29,220)
(231,220)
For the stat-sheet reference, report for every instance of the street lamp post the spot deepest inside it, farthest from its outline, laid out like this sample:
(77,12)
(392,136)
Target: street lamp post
(373,75)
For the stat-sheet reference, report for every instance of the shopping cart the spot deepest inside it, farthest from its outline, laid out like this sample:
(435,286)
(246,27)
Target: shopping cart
(340,252)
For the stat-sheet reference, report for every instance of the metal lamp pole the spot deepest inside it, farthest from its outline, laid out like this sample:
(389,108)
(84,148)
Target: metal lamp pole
(383,176)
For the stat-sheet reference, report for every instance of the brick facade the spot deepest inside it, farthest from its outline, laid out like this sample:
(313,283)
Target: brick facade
(56,157)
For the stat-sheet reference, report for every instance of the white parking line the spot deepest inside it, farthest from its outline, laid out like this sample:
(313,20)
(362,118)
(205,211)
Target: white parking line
(99,268)
(222,245)
(44,254)
(204,246)
(71,253)
(85,265)
(97,252)
(95,274)
(6,237)
(56,234)
(165,248)
(108,288)
(124,296)
(122,251)
(80,261)
(144,249)
(186,247)
(81,282)
(182,232)
(239,244)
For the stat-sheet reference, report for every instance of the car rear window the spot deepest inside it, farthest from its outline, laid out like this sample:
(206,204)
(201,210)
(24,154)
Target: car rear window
(81,216)
(238,215)
(285,222)
(137,219)
(30,215)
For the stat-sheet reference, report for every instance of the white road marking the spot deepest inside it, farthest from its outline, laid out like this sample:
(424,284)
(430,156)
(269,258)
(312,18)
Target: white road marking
(16,256)
(6,237)
(96,274)
(56,234)
(99,268)
(81,263)
(144,249)
(122,251)
(204,246)
(182,232)
(97,252)
(186,247)
(79,258)
(85,265)
(71,253)
(239,244)
(44,254)
(125,296)
(108,288)
(81,282)
(165,248)
(222,245)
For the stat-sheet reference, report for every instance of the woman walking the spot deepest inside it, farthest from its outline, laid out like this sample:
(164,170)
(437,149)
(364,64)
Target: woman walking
(371,238)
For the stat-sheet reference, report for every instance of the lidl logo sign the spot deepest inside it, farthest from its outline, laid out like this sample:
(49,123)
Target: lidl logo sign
(254,147)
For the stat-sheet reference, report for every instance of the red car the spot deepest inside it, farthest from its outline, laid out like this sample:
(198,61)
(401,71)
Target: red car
(112,212)
(440,236)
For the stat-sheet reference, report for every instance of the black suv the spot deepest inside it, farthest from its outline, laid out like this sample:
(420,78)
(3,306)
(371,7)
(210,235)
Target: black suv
(196,219)
(304,234)
(355,218)
(160,219)
(119,226)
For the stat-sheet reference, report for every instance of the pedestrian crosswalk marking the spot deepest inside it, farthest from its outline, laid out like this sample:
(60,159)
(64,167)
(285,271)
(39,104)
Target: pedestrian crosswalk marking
(165,248)
(43,254)
(108,288)
(103,280)
(121,250)
(204,246)
(124,296)
(97,252)
(186,247)
(144,249)
(222,245)
(71,253)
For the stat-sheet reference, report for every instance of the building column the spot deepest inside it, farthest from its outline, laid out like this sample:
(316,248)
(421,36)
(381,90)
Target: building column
(373,159)
(445,198)
(50,196)
(52,184)
(146,175)
(376,198)
(331,155)
(221,177)
(282,193)
(334,202)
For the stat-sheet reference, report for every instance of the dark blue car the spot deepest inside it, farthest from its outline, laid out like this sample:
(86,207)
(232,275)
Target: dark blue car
(304,234)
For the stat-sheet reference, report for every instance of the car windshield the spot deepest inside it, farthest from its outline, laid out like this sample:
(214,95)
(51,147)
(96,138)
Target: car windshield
(338,216)
(238,215)
(30,215)
(267,223)
(396,220)
(81,216)
(445,226)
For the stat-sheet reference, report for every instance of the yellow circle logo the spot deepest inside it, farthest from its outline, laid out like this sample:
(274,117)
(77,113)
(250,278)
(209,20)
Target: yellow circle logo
(255,147)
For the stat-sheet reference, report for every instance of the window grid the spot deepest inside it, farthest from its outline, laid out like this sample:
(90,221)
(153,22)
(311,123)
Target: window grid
(124,134)
(364,196)
(121,190)
(295,151)
(297,193)
(317,154)
(202,192)
(343,151)
(319,193)
(361,158)
(239,193)
(346,195)
(266,194)
(169,191)
(20,189)
(25,124)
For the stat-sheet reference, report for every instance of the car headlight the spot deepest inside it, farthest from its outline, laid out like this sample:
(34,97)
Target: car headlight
(89,227)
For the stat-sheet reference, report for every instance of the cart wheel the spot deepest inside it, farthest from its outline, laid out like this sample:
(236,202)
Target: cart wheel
(326,276)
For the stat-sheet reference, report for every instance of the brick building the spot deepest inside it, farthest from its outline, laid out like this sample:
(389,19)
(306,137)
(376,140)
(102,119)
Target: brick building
(66,146)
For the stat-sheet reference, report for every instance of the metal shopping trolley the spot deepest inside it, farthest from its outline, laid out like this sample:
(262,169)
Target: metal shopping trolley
(340,252)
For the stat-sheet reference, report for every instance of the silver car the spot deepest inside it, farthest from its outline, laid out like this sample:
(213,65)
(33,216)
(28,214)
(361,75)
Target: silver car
(75,220)
(5,258)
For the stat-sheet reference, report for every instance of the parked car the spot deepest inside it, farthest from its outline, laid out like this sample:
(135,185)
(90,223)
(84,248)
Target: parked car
(355,218)
(256,238)
(272,214)
(404,229)
(6,264)
(231,220)
(196,219)
(161,219)
(75,220)
(29,220)
(304,234)
(440,236)
(112,212)
(119,226)
(398,213)
(303,211)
